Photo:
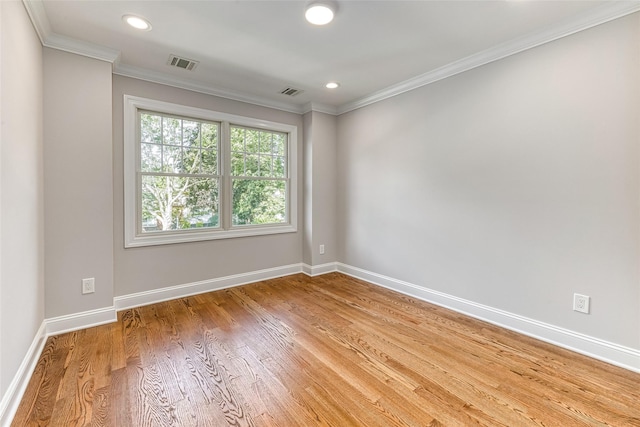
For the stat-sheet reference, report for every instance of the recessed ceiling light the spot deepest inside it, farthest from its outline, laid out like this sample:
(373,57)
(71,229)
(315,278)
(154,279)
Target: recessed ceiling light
(319,13)
(137,22)
(332,85)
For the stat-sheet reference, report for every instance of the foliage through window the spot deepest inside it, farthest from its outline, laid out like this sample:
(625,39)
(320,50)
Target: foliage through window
(178,173)
(258,170)
(193,174)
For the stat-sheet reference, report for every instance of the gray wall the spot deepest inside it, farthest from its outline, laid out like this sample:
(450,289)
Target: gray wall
(307,168)
(78,173)
(512,185)
(155,267)
(21,200)
(320,145)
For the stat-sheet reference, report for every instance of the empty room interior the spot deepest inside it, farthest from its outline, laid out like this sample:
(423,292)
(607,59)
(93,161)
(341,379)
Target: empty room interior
(280,213)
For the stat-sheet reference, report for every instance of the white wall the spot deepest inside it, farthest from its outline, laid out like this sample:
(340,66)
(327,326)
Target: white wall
(156,267)
(512,185)
(78,172)
(21,186)
(307,200)
(320,186)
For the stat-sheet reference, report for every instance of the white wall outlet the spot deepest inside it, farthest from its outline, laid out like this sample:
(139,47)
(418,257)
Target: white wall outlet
(581,303)
(88,285)
(321,249)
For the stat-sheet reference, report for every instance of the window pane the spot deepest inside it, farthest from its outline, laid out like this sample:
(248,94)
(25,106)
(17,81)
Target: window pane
(237,139)
(150,128)
(237,164)
(209,162)
(171,131)
(171,159)
(209,135)
(190,134)
(265,142)
(191,160)
(175,203)
(265,165)
(151,158)
(258,202)
(279,144)
(251,165)
(252,141)
(279,167)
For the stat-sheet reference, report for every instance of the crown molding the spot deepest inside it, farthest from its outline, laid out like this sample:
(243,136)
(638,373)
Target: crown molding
(168,80)
(71,45)
(320,108)
(38,16)
(605,13)
(35,9)
(597,16)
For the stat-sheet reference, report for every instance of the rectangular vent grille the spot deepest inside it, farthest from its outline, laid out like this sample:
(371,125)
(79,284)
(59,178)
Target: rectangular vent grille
(184,63)
(289,91)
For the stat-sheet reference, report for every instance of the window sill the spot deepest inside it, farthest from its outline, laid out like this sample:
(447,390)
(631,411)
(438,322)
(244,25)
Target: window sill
(171,237)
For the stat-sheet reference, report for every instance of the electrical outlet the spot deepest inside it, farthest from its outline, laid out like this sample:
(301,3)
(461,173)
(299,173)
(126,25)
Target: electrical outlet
(88,285)
(321,249)
(581,303)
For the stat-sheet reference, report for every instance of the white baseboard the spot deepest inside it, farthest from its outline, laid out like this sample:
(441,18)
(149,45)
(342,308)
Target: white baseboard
(624,357)
(615,354)
(52,326)
(72,322)
(317,270)
(11,399)
(158,295)
(86,319)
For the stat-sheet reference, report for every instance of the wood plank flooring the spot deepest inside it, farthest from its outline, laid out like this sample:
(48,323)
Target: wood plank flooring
(324,351)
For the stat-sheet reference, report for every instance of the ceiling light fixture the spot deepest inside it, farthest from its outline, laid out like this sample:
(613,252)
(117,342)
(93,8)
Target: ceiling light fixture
(319,13)
(332,85)
(137,22)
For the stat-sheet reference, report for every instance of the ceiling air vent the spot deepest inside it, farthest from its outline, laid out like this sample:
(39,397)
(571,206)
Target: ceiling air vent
(289,91)
(184,63)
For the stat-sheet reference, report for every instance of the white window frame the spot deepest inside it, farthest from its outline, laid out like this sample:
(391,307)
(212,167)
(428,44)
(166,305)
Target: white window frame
(133,236)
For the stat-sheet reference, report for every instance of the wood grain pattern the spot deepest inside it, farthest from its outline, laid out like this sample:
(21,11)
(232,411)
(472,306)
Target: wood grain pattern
(323,351)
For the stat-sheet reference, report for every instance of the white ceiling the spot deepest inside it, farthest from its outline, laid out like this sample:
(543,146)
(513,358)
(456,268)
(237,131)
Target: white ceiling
(251,50)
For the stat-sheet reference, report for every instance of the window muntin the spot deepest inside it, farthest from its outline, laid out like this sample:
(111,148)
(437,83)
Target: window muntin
(178,173)
(258,176)
(194,174)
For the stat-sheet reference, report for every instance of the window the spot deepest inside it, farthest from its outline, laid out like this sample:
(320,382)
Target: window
(258,176)
(193,174)
(178,175)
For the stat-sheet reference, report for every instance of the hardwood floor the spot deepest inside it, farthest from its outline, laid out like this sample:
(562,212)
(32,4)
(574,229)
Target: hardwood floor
(324,351)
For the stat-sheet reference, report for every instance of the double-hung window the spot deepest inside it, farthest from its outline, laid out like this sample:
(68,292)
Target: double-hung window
(194,174)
